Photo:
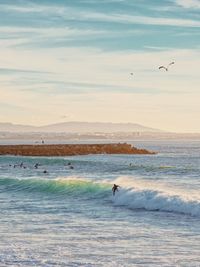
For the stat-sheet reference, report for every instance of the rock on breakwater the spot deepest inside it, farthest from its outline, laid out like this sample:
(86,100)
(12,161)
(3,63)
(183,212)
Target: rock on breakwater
(70,149)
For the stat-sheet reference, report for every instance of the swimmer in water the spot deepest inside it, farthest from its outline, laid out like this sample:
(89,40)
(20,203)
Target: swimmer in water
(36,166)
(115,188)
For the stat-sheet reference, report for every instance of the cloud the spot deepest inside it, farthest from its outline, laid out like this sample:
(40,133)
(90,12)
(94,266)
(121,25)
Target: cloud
(59,26)
(32,8)
(62,59)
(84,71)
(33,36)
(76,14)
(10,107)
(146,20)
(13,71)
(102,1)
(188,3)
(48,31)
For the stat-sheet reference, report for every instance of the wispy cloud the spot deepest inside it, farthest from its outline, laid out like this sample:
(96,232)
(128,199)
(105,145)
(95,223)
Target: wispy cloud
(21,36)
(142,20)
(49,31)
(70,13)
(59,26)
(82,71)
(11,71)
(33,8)
(188,3)
(75,57)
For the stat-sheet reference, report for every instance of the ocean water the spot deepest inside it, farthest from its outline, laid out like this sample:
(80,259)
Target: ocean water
(69,217)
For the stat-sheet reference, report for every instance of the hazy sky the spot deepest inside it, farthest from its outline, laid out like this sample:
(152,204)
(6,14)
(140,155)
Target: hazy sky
(70,60)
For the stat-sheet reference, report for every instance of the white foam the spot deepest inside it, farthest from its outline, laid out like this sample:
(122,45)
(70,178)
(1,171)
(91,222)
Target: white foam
(152,197)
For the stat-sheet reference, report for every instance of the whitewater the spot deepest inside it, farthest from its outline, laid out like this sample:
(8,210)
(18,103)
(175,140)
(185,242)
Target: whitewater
(69,217)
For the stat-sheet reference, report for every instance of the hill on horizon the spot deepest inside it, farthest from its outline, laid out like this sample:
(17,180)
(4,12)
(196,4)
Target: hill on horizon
(78,127)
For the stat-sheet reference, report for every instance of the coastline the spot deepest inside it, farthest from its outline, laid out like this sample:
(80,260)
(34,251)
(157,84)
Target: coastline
(71,149)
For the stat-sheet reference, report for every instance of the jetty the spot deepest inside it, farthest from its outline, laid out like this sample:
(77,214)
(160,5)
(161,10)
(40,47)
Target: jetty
(71,149)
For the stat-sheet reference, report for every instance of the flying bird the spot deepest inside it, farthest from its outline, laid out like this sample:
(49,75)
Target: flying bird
(166,68)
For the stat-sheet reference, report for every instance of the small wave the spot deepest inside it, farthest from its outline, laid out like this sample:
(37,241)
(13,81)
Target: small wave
(163,168)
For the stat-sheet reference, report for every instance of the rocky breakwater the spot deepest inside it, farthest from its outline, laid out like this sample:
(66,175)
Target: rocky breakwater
(70,149)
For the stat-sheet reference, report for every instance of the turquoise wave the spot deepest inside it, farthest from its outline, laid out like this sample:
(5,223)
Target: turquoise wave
(58,186)
(130,197)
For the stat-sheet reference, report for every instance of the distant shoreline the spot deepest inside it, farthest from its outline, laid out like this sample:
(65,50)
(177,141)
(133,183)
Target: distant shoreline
(71,149)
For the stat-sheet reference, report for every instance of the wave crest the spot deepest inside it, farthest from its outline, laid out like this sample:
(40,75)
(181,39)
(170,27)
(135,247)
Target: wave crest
(132,195)
(141,196)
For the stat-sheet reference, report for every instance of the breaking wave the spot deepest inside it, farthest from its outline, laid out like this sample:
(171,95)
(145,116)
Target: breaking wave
(150,196)
(131,195)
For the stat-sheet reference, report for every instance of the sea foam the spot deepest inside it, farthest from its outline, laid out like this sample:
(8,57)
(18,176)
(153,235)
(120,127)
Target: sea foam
(152,197)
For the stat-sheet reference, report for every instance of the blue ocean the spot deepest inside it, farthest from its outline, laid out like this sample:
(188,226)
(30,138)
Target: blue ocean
(69,217)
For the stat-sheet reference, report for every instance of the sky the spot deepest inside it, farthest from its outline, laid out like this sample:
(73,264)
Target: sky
(70,60)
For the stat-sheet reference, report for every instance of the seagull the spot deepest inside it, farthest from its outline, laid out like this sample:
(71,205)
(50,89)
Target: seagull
(166,68)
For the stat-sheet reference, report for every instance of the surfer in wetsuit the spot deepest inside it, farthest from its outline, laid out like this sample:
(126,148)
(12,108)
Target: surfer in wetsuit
(115,188)
(36,165)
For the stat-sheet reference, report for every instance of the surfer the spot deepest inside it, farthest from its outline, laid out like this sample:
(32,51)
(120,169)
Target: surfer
(36,165)
(115,188)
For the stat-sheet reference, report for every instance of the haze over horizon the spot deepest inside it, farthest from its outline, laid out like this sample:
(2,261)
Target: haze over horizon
(78,127)
(86,127)
(72,61)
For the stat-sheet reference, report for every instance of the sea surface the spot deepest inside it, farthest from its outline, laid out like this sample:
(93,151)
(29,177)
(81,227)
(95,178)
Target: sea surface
(69,217)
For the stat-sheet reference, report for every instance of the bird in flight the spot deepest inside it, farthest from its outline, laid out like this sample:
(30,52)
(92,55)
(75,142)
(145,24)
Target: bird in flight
(166,68)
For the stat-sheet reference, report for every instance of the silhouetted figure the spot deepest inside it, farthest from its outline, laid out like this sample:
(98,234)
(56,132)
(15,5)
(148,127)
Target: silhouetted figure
(45,171)
(115,188)
(71,167)
(36,166)
(21,165)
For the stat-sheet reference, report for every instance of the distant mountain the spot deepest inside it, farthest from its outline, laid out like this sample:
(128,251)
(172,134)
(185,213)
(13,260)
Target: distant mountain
(78,127)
